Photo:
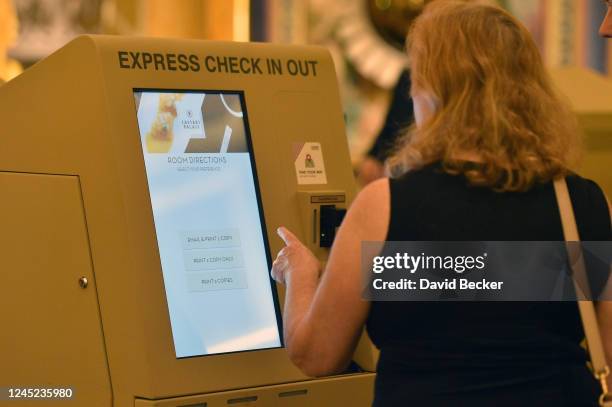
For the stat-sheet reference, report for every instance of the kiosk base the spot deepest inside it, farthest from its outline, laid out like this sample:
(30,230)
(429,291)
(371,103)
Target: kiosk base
(350,390)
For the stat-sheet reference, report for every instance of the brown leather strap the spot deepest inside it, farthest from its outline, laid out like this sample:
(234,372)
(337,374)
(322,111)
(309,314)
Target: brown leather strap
(585,305)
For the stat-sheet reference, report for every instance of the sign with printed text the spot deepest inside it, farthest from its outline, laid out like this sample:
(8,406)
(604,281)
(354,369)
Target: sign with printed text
(309,165)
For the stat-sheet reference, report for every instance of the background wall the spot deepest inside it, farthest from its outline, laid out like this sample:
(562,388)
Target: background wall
(566,32)
(364,36)
(45,25)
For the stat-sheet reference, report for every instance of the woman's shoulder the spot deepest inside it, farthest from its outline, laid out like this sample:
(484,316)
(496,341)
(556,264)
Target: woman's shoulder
(374,194)
(368,215)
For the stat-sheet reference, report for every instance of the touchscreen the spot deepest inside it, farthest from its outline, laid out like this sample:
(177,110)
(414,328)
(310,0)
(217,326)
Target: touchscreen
(209,222)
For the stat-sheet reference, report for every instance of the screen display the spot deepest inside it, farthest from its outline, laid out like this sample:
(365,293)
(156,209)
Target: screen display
(209,222)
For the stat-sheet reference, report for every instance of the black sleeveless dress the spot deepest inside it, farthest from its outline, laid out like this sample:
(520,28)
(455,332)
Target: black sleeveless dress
(475,353)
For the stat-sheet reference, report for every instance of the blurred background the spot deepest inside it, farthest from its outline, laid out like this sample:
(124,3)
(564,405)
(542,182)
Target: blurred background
(365,37)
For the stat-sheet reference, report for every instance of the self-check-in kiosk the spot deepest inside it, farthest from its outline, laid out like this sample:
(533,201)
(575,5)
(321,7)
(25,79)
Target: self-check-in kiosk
(142,181)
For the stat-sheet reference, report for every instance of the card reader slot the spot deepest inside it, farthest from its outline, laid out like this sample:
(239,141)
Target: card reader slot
(331,217)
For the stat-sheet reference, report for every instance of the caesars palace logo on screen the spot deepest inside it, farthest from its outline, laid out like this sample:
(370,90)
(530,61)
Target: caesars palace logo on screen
(194,123)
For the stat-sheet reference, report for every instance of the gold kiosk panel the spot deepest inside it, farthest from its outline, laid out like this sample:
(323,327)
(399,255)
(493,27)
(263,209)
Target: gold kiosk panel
(591,97)
(180,208)
(51,334)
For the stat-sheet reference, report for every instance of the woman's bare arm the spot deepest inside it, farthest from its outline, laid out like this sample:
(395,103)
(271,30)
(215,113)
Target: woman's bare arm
(324,317)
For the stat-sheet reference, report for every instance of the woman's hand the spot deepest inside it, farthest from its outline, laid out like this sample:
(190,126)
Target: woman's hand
(294,260)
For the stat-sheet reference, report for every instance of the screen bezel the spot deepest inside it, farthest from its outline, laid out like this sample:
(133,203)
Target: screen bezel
(262,218)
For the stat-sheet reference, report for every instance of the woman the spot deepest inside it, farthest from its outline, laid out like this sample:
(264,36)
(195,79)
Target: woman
(490,136)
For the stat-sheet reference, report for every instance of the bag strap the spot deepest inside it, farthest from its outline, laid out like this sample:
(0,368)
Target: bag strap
(585,306)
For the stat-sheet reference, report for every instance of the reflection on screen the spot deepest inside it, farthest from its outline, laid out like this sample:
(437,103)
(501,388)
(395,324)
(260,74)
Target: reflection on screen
(208,222)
